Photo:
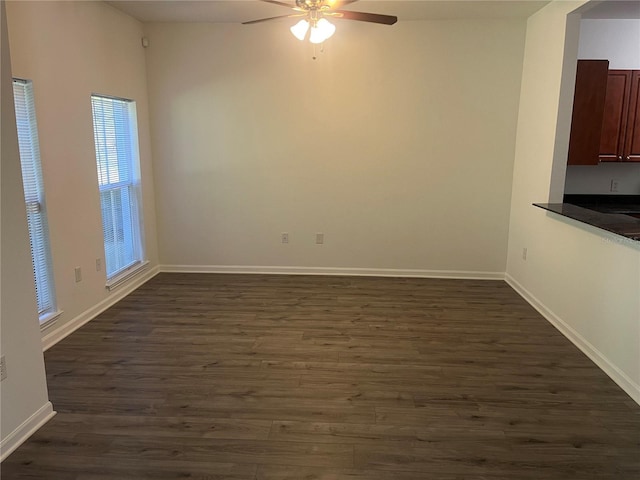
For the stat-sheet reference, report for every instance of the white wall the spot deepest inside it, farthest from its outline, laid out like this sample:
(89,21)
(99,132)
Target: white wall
(24,403)
(596,179)
(70,50)
(619,42)
(584,280)
(615,40)
(396,143)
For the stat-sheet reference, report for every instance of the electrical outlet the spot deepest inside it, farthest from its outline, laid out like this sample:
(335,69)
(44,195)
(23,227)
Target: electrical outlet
(98,264)
(78,273)
(284,237)
(3,368)
(615,183)
(524,253)
(319,238)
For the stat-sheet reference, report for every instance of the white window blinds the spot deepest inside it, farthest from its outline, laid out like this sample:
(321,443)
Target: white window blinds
(34,195)
(115,135)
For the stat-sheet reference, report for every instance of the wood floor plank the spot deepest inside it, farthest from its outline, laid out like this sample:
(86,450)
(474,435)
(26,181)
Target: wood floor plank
(63,467)
(375,434)
(174,427)
(309,411)
(149,449)
(288,472)
(271,377)
(491,458)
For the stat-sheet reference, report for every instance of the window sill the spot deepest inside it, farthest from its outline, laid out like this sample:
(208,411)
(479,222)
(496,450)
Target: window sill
(131,272)
(48,320)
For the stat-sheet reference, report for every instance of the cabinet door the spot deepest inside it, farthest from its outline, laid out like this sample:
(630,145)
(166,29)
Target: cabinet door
(588,108)
(614,119)
(632,143)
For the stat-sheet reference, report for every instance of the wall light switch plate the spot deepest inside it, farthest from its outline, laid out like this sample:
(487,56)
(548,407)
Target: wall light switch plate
(284,237)
(319,238)
(78,274)
(615,184)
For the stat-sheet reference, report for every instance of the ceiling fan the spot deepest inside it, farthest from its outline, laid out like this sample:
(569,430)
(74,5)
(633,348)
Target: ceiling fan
(315,13)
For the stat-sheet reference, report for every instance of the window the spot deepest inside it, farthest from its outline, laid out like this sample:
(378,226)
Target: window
(116,138)
(34,197)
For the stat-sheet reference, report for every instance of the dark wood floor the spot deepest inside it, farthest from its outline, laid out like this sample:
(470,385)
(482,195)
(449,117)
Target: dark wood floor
(276,377)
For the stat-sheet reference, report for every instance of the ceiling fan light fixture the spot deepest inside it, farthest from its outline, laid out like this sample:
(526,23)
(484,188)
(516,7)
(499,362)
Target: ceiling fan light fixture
(299,30)
(321,31)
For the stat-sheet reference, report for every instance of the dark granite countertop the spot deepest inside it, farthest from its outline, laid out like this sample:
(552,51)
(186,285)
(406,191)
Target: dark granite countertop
(625,204)
(605,216)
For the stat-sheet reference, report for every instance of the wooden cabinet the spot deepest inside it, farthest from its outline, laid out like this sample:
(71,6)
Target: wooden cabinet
(588,111)
(615,116)
(605,125)
(632,143)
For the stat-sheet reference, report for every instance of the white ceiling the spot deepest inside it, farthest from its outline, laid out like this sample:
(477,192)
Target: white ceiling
(614,9)
(243,10)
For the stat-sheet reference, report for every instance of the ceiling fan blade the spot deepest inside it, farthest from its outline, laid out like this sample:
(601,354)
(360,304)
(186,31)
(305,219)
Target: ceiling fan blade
(338,3)
(273,18)
(282,4)
(367,17)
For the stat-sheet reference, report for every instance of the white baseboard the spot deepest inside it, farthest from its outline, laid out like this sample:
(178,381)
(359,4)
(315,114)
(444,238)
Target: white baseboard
(53,336)
(617,375)
(368,272)
(25,430)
